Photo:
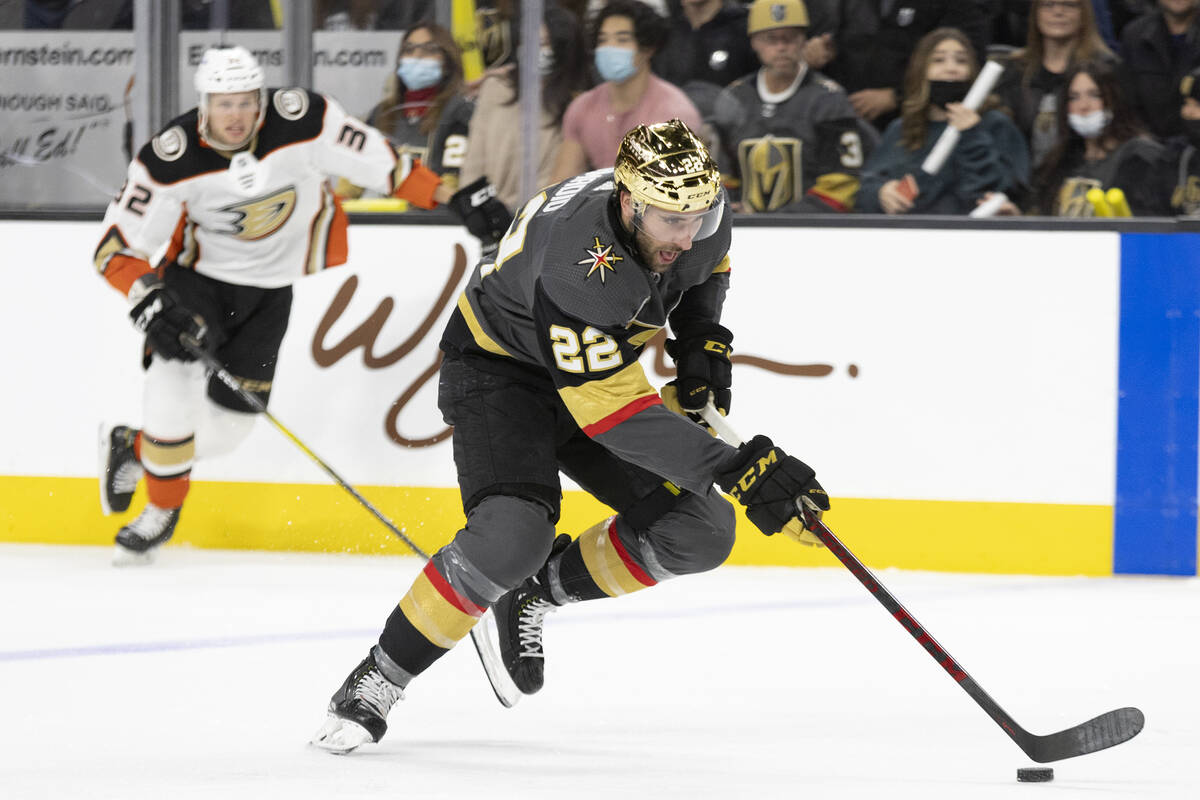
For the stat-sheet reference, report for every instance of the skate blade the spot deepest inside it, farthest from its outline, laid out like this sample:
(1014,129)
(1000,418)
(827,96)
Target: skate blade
(105,433)
(340,736)
(502,683)
(123,557)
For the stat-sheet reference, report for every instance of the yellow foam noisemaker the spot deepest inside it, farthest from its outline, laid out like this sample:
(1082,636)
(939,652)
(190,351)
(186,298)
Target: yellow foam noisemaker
(1099,203)
(1116,201)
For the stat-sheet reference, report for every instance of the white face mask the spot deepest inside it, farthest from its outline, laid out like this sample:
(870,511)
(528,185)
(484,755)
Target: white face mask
(1090,125)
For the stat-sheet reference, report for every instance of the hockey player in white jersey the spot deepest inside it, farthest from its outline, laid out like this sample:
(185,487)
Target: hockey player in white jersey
(238,189)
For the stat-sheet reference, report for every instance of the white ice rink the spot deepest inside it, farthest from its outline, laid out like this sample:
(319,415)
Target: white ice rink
(204,675)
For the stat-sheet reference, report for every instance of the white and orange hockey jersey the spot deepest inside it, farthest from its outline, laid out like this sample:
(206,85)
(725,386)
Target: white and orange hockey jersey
(262,217)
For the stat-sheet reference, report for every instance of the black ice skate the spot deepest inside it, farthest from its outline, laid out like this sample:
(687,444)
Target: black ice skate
(358,710)
(520,615)
(136,542)
(120,470)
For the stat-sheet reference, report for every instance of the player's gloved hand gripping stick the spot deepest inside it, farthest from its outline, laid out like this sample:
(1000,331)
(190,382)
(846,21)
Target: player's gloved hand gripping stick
(1104,731)
(490,659)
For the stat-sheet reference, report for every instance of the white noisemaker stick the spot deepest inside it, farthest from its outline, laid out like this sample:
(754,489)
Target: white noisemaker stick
(979,91)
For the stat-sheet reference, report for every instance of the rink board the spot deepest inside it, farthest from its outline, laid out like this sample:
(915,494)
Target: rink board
(957,392)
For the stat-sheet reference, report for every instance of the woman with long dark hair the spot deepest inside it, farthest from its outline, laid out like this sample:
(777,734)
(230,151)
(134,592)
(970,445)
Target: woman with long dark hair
(1100,145)
(495,145)
(1062,33)
(991,155)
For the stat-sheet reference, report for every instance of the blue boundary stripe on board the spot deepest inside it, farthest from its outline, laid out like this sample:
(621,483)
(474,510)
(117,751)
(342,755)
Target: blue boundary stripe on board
(1158,417)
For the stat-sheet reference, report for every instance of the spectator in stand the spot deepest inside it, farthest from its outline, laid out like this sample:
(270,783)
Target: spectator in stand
(1100,146)
(706,43)
(625,36)
(1126,11)
(424,113)
(790,138)
(868,53)
(495,147)
(991,155)
(1061,33)
(1159,49)
(370,15)
(1010,24)
(1181,165)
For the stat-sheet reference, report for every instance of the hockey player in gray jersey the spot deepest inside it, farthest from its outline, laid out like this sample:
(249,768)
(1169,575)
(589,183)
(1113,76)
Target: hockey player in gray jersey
(541,375)
(790,140)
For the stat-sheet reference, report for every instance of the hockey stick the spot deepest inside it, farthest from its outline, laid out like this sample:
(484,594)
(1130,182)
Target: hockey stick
(506,692)
(1102,732)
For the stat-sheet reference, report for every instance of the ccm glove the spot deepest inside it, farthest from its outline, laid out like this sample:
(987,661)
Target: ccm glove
(483,215)
(702,365)
(163,318)
(769,483)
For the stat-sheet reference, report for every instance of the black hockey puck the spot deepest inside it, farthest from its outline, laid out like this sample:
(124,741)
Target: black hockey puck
(1035,774)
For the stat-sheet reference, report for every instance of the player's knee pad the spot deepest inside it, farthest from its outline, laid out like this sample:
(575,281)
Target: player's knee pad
(171,397)
(694,537)
(221,430)
(506,539)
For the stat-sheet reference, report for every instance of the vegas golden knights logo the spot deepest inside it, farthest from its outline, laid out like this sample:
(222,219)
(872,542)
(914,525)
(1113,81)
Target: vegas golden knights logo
(259,217)
(1185,200)
(771,172)
(493,36)
(1072,197)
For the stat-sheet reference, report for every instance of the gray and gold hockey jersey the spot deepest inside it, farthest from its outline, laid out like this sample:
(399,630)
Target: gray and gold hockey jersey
(801,152)
(567,299)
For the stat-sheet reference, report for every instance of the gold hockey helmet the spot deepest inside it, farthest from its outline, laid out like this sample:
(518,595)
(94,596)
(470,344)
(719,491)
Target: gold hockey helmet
(666,165)
(766,15)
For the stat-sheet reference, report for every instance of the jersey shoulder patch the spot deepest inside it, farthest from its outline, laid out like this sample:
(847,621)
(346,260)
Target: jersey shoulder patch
(293,116)
(175,154)
(586,270)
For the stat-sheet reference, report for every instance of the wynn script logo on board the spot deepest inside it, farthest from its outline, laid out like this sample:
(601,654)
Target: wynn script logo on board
(366,333)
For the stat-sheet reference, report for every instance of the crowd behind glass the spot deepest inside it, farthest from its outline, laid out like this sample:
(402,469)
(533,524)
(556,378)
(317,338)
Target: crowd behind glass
(826,106)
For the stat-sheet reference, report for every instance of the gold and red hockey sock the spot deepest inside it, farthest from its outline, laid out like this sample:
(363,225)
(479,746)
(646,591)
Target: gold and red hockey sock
(431,618)
(598,564)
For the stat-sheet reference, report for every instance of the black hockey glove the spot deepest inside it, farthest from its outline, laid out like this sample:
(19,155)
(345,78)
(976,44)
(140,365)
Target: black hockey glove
(702,365)
(163,318)
(483,215)
(769,483)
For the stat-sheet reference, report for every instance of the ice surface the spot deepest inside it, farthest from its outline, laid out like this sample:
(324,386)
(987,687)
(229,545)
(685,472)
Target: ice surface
(204,675)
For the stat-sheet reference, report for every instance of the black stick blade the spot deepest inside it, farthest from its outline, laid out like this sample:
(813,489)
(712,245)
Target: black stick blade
(1106,730)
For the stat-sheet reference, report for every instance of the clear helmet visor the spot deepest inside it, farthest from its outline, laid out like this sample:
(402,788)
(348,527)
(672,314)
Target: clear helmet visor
(680,228)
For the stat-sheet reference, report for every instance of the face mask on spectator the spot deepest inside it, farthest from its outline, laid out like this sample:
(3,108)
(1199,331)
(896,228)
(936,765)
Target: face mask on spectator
(545,61)
(615,63)
(943,92)
(419,73)
(1090,125)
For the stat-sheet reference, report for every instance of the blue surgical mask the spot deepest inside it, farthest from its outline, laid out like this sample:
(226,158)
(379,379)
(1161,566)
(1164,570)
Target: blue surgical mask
(615,63)
(419,73)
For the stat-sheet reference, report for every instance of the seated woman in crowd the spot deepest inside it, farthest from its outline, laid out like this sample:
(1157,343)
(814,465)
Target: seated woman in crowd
(991,155)
(495,145)
(424,113)
(1099,146)
(1062,33)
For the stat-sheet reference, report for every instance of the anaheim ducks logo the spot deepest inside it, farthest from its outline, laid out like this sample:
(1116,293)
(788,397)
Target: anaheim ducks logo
(770,172)
(259,217)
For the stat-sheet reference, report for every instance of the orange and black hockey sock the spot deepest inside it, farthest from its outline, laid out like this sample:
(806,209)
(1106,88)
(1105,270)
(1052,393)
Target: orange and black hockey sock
(430,620)
(168,465)
(598,564)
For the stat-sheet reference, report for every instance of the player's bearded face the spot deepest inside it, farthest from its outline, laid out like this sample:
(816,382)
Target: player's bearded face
(232,117)
(663,235)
